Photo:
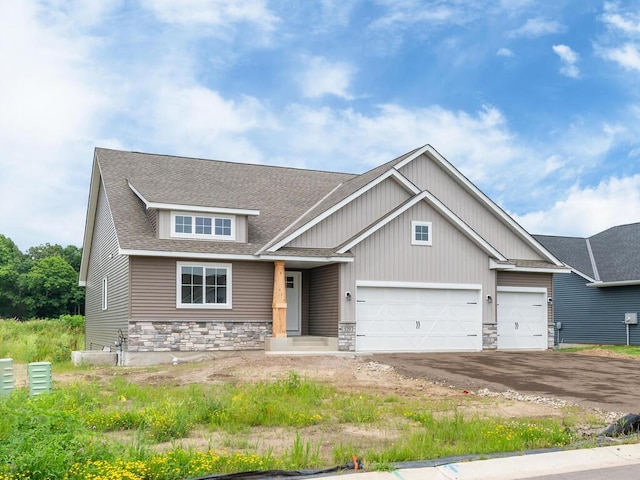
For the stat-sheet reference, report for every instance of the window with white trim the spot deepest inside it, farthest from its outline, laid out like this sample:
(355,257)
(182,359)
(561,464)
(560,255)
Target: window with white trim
(217,227)
(421,233)
(104,294)
(203,285)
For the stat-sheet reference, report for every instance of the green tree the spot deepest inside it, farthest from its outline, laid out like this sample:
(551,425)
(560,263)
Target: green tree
(70,253)
(50,285)
(12,266)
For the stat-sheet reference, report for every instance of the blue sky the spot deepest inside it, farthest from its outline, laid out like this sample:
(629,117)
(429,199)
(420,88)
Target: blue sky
(537,103)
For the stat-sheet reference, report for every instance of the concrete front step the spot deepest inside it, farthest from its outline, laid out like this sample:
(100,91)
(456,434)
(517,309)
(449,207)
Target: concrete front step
(302,344)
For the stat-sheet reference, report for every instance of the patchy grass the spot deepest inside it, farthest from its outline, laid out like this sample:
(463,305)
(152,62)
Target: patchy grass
(114,429)
(629,351)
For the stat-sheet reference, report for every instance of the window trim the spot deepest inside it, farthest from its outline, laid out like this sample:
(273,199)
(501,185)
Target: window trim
(201,236)
(105,293)
(215,306)
(417,223)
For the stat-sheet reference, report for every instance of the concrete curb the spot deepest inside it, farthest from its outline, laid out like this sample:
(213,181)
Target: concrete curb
(513,468)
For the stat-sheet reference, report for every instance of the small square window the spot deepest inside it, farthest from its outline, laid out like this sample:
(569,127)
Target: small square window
(421,233)
(183,224)
(203,225)
(223,227)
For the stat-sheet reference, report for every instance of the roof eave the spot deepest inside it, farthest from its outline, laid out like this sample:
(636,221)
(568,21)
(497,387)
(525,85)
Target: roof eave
(621,283)
(90,219)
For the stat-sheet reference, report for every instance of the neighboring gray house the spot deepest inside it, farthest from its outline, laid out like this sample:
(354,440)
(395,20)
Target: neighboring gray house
(590,305)
(184,257)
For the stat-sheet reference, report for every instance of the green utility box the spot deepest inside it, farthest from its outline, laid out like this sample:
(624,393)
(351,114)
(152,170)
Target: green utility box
(7,381)
(40,380)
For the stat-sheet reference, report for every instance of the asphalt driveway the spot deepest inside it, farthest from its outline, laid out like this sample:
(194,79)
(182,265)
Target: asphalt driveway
(610,384)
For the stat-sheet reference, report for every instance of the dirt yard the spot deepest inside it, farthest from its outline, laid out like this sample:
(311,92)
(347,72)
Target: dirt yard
(346,373)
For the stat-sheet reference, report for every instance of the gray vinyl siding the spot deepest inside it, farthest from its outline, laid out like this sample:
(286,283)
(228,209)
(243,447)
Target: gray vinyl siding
(102,325)
(528,279)
(388,256)
(354,217)
(153,292)
(324,300)
(594,315)
(304,311)
(427,175)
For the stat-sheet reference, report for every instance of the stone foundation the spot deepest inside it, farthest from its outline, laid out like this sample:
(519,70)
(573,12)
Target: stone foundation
(178,336)
(489,336)
(347,337)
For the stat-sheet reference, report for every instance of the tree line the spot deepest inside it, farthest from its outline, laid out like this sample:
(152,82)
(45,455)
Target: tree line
(42,283)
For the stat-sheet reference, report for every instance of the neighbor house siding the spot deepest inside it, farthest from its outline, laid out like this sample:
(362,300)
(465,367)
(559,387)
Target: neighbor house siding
(594,315)
(324,300)
(354,217)
(153,292)
(104,261)
(388,256)
(427,175)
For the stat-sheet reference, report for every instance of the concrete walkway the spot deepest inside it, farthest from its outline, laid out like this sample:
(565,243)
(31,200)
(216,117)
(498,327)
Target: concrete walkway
(513,468)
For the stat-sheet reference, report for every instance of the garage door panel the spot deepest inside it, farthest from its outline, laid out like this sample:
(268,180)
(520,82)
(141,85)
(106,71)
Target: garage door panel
(522,320)
(418,319)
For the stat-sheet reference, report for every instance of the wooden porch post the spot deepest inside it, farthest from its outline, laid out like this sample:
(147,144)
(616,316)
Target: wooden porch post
(279,301)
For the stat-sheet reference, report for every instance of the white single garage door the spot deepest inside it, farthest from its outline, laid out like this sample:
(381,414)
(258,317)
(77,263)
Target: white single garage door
(393,319)
(522,319)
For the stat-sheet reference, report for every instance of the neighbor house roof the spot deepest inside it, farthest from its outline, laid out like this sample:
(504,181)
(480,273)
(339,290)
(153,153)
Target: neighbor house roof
(611,257)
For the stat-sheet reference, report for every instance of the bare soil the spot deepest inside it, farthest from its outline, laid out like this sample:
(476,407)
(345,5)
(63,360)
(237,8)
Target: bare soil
(347,373)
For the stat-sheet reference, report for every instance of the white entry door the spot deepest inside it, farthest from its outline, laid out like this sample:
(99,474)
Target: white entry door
(418,319)
(522,319)
(293,282)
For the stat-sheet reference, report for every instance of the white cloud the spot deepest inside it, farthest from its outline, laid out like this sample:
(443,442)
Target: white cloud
(196,121)
(627,56)
(569,60)
(51,99)
(504,52)
(217,13)
(537,27)
(628,23)
(321,77)
(587,211)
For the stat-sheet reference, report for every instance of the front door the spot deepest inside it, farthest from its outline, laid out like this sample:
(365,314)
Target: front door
(293,281)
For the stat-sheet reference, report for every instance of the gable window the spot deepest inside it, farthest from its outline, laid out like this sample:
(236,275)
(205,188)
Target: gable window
(421,233)
(104,293)
(213,227)
(203,285)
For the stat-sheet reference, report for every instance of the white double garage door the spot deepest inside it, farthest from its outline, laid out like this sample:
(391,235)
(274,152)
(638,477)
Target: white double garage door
(401,318)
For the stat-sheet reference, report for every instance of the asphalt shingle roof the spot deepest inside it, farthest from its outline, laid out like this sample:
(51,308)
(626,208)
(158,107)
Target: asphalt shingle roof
(616,252)
(281,194)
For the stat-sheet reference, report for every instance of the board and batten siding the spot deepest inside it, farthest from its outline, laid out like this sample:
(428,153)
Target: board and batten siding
(353,217)
(154,283)
(101,326)
(389,256)
(594,315)
(324,300)
(427,175)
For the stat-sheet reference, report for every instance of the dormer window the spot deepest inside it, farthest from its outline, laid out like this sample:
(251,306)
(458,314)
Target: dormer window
(218,227)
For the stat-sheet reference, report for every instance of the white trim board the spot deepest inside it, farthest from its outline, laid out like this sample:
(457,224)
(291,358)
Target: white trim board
(441,286)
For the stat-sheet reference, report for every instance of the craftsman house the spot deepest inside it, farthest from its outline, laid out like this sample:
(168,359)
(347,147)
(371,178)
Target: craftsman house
(599,302)
(184,257)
